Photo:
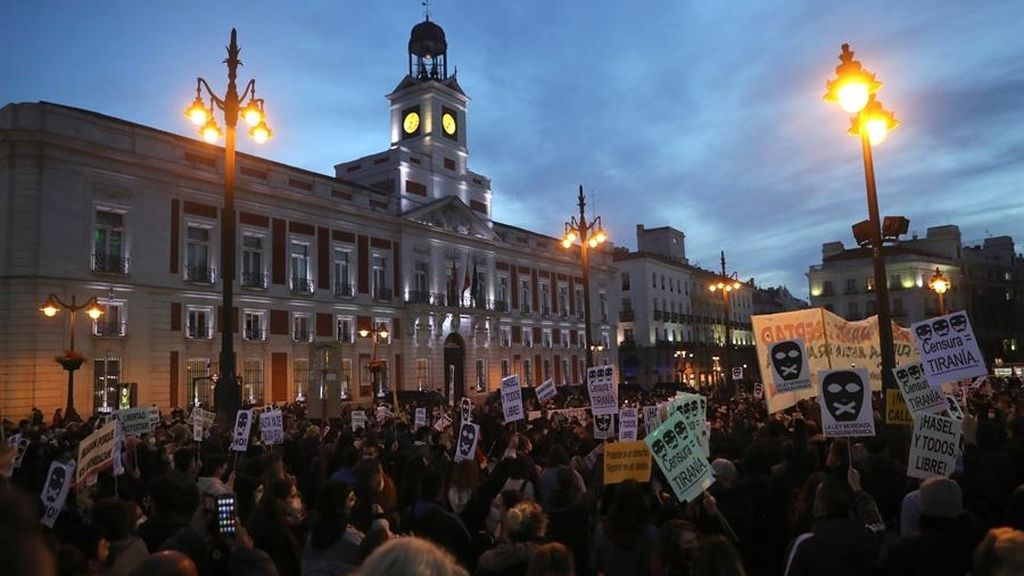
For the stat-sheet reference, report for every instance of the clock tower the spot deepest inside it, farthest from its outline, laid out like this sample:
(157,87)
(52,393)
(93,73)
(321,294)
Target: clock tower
(428,157)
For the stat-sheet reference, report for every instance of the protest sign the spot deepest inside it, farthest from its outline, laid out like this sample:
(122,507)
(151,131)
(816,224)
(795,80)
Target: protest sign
(469,435)
(627,423)
(790,370)
(604,396)
(383,413)
(443,422)
(896,411)
(933,447)
(679,456)
(758,391)
(919,397)
(693,408)
(546,391)
(272,426)
(243,427)
(651,419)
(953,408)
(948,349)
(511,399)
(846,403)
(420,418)
(466,408)
(202,421)
(829,340)
(627,461)
(55,491)
(154,415)
(358,420)
(135,421)
(21,443)
(96,452)
(604,426)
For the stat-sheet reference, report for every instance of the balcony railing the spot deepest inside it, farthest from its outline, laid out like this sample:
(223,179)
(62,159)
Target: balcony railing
(501,305)
(382,294)
(253,333)
(109,329)
(345,337)
(656,315)
(199,274)
(254,280)
(301,335)
(110,264)
(344,290)
(303,286)
(418,297)
(545,311)
(626,316)
(524,308)
(200,332)
(563,314)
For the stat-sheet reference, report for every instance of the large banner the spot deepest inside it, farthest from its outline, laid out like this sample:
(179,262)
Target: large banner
(830,342)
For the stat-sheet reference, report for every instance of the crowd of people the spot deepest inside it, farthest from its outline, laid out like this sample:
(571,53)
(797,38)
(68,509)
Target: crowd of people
(388,499)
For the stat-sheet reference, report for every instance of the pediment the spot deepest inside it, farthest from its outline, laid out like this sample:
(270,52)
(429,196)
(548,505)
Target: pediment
(452,215)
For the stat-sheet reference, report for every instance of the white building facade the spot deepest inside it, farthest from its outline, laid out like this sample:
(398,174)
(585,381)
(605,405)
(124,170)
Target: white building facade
(94,206)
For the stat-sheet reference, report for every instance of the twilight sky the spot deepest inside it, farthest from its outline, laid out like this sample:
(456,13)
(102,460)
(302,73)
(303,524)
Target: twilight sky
(702,115)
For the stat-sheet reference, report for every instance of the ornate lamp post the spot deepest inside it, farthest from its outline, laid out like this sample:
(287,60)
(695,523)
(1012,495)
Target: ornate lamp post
(589,234)
(853,89)
(725,286)
(71,360)
(376,366)
(227,396)
(940,284)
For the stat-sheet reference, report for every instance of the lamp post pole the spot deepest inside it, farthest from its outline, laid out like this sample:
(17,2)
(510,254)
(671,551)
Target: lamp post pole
(71,360)
(590,234)
(726,285)
(227,398)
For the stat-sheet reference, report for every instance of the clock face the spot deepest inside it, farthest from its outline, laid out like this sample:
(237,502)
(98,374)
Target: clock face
(448,123)
(411,123)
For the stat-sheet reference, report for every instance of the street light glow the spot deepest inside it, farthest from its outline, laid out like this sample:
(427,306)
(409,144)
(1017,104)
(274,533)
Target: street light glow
(94,312)
(852,86)
(197,112)
(49,310)
(210,131)
(939,283)
(252,114)
(260,132)
(852,96)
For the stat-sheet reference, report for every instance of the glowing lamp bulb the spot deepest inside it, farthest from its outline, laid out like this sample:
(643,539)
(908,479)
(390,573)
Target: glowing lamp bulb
(260,132)
(878,129)
(601,236)
(383,334)
(566,243)
(210,132)
(592,242)
(197,112)
(570,237)
(49,310)
(94,312)
(364,333)
(252,114)
(853,96)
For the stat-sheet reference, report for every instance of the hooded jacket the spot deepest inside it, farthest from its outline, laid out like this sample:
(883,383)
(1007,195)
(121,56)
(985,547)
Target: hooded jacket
(839,546)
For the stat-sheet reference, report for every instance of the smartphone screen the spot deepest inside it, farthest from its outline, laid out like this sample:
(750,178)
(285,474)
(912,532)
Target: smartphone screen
(226,513)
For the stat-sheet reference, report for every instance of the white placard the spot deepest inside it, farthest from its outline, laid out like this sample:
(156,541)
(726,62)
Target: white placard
(679,456)
(919,397)
(604,396)
(443,422)
(790,368)
(469,436)
(272,427)
(58,482)
(419,418)
(511,399)
(154,415)
(627,423)
(737,373)
(546,391)
(651,419)
(846,403)
(953,408)
(202,421)
(21,443)
(358,420)
(243,427)
(135,421)
(948,349)
(934,446)
(96,452)
(466,406)
(604,426)
(758,391)
(383,413)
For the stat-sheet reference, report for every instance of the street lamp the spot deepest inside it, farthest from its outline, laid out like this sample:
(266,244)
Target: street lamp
(853,88)
(589,234)
(940,284)
(380,332)
(226,394)
(726,285)
(71,360)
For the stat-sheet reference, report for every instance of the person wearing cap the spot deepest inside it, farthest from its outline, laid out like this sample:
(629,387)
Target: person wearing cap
(946,534)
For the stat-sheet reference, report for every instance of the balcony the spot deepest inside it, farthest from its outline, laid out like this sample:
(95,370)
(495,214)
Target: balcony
(199,274)
(545,311)
(254,333)
(344,290)
(110,264)
(418,297)
(346,337)
(524,308)
(253,280)
(109,329)
(563,314)
(501,306)
(604,317)
(303,286)
(851,291)
(656,315)
(199,332)
(506,342)
(382,294)
(626,316)
(302,335)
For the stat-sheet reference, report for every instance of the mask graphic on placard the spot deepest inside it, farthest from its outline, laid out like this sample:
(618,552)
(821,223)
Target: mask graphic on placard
(843,392)
(671,439)
(603,422)
(941,327)
(466,438)
(902,375)
(680,428)
(924,332)
(787,359)
(958,323)
(659,449)
(914,371)
(243,419)
(54,485)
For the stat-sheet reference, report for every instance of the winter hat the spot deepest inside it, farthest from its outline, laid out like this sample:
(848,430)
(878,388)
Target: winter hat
(723,468)
(941,498)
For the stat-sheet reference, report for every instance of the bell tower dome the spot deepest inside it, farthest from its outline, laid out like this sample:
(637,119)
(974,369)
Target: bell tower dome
(429,49)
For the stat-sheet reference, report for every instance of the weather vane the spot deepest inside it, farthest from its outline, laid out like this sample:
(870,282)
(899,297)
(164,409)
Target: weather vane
(426,9)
